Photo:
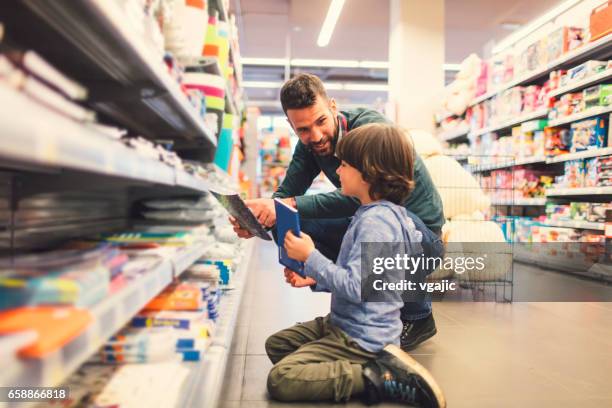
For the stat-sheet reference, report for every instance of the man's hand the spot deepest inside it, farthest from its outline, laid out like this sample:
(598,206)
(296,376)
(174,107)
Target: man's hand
(299,248)
(263,210)
(295,280)
(242,233)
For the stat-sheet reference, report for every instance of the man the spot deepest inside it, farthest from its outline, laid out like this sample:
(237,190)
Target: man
(325,217)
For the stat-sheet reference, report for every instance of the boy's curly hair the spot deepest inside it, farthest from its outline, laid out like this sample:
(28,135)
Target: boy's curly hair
(384,156)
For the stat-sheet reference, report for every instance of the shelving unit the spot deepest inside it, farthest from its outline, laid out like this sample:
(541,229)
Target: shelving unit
(204,387)
(598,191)
(510,123)
(521,202)
(109,315)
(601,48)
(581,155)
(127,80)
(507,164)
(56,141)
(581,115)
(585,83)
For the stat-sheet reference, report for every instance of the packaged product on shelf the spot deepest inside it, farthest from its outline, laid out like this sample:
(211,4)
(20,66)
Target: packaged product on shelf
(578,211)
(562,40)
(61,277)
(55,326)
(179,296)
(591,177)
(531,98)
(557,141)
(588,134)
(600,21)
(195,322)
(558,212)
(598,95)
(574,174)
(585,70)
(597,212)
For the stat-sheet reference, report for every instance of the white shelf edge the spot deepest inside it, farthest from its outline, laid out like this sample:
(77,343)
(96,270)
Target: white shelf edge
(602,110)
(521,201)
(575,224)
(122,306)
(503,165)
(577,53)
(509,123)
(582,84)
(553,192)
(581,155)
(56,141)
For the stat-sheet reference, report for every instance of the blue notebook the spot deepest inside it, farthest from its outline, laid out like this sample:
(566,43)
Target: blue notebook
(287,219)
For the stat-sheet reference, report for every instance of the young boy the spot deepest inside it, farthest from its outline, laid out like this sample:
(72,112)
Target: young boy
(354,350)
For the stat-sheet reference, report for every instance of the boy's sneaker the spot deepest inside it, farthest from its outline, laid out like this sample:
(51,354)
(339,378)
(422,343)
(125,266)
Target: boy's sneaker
(395,376)
(415,332)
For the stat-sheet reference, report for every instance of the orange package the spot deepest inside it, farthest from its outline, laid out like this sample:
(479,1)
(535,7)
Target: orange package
(55,326)
(177,297)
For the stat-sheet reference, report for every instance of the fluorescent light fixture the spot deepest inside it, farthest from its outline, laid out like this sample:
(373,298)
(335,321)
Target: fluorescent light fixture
(366,87)
(518,35)
(374,64)
(264,61)
(335,7)
(261,84)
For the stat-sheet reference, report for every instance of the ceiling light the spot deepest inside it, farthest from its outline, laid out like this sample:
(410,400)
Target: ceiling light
(335,7)
(324,63)
(261,84)
(366,87)
(264,61)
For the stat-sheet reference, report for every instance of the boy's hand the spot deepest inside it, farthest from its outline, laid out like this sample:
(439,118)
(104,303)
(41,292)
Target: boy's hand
(295,280)
(298,248)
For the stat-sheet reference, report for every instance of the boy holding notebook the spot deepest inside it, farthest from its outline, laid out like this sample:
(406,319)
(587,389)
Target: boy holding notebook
(354,350)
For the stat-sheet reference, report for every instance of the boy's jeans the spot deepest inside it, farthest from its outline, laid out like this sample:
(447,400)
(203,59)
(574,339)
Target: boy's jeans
(327,234)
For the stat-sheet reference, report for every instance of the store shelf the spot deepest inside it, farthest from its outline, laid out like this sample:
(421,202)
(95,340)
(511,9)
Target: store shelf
(581,155)
(601,110)
(596,191)
(454,134)
(95,43)
(204,387)
(585,83)
(599,226)
(233,52)
(109,316)
(521,202)
(55,141)
(510,123)
(601,48)
(508,164)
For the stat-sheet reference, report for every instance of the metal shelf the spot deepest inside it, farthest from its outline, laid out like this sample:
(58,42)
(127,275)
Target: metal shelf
(599,226)
(581,155)
(510,123)
(94,42)
(578,85)
(552,192)
(55,141)
(601,110)
(601,48)
(109,316)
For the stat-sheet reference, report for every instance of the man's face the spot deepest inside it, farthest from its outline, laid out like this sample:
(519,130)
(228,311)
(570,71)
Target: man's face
(316,125)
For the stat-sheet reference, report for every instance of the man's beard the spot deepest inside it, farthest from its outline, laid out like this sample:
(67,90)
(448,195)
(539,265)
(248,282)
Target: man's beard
(324,141)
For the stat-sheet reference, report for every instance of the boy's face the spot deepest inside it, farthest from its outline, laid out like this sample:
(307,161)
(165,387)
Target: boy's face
(316,125)
(351,181)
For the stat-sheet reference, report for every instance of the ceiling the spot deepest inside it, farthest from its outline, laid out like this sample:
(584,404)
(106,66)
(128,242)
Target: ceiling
(289,28)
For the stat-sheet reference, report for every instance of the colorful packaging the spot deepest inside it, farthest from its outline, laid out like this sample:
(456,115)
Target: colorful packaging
(585,70)
(177,297)
(598,95)
(588,134)
(557,141)
(574,174)
(563,40)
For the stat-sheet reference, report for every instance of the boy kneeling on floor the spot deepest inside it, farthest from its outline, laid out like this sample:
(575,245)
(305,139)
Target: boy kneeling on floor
(354,350)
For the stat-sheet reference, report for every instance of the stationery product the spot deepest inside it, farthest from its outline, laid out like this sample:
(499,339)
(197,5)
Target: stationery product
(287,219)
(588,134)
(177,297)
(236,207)
(178,320)
(55,327)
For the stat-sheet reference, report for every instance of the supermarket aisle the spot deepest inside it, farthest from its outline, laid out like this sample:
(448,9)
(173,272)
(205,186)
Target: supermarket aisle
(484,355)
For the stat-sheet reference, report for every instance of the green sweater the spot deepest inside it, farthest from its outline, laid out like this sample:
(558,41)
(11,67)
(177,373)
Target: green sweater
(305,166)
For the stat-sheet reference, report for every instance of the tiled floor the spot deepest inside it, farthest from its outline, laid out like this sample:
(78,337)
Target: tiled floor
(484,355)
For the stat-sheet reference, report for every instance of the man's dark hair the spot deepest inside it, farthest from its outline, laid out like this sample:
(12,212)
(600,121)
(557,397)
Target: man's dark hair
(301,92)
(384,156)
